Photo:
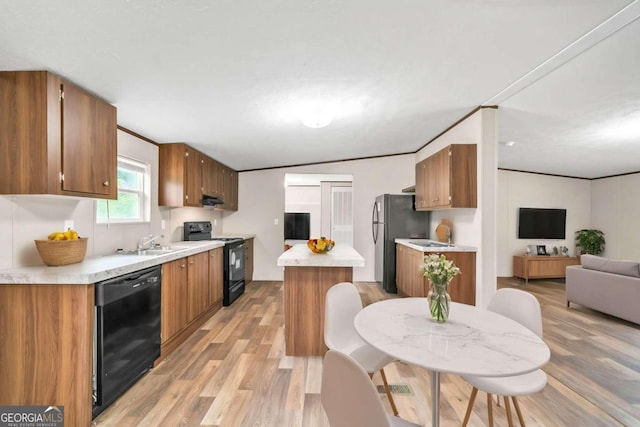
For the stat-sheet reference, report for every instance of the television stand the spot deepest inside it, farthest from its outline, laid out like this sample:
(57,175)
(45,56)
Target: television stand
(541,266)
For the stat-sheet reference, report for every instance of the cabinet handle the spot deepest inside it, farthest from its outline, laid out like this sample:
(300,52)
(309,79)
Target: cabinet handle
(191,262)
(106,183)
(182,266)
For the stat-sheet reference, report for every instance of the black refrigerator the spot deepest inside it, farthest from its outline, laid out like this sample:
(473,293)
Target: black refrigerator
(394,216)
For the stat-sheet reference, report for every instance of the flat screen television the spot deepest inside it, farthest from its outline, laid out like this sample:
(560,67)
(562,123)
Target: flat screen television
(537,223)
(297,225)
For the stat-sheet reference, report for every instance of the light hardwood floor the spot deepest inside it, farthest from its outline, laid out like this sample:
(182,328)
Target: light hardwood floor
(232,372)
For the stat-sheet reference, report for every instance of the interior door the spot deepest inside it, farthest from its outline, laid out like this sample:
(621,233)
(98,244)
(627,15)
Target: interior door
(342,215)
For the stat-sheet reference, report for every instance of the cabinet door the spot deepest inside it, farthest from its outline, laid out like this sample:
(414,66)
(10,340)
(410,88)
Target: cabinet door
(193,178)
(89,147)
(174,301)
(233,189)
(421,184)
(463,287)
(248,261)
(210,178)
(197,285)
(216,276)
(415,278)
(439,178)
(230,188)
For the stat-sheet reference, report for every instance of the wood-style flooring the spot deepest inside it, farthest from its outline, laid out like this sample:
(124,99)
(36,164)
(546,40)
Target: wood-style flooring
(233,372)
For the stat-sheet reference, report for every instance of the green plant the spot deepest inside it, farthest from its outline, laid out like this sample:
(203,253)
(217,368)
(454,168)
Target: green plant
(591,241)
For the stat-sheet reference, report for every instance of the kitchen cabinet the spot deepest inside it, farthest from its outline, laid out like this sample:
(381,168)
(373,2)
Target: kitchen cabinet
(179,176)
(174,298)
(448,179)
(186,174)
(230,189)
(55,138)
(212,178)
(197,285)
(248,261)
(411,282)
(216,276)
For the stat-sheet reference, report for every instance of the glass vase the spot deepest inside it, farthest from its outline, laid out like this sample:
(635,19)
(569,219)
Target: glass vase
(439,300)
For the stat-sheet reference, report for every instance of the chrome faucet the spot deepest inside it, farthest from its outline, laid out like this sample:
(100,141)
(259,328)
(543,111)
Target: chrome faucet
(146,242)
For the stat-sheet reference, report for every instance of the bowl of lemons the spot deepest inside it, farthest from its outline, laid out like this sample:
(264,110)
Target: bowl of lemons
(321,245)
(62,248)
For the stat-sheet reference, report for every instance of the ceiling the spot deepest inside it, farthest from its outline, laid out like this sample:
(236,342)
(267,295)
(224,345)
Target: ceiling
(231,78)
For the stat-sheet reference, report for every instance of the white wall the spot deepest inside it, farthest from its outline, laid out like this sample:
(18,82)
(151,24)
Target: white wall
(528,190)
(615,209)
(475,227)
(261,200)
(25,218)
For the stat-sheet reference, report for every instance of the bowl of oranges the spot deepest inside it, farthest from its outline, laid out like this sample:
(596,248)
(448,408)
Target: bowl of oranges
(321,245)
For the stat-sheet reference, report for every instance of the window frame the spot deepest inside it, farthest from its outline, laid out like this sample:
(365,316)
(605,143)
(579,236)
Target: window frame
(143,192)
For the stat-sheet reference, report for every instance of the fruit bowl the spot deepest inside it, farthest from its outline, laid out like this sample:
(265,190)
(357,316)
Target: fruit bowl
(62,252)
(321,245)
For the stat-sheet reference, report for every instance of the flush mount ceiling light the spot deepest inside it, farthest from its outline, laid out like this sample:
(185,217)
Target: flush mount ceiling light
(316,116)
(510,143)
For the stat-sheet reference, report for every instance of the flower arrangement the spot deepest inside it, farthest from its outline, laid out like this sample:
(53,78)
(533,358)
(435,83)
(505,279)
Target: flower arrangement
(440,271)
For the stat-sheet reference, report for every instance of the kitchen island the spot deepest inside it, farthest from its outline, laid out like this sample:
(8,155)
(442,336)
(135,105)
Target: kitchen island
(307,278)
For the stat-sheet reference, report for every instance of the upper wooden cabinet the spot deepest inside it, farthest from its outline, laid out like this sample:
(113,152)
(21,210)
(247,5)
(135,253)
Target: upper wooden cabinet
(55,138)
(448,179)
(186,174)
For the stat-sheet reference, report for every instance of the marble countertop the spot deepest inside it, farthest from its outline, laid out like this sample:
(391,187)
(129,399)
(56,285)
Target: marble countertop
(420,244)
(98,268)
(339,256)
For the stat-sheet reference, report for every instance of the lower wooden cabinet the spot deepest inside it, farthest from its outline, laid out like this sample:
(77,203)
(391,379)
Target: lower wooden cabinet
(411,282)
(248,261)
(174,298)
(541,267)
(191,292)
(216,276)
(197,285)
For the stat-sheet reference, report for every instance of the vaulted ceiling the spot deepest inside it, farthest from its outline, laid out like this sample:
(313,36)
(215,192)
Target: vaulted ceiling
(233,78)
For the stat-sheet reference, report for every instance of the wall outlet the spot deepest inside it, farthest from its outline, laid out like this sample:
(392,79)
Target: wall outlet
(68,224)
(163,224)
(275,221)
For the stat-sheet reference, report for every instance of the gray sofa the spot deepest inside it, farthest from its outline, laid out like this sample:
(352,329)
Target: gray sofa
(606,285)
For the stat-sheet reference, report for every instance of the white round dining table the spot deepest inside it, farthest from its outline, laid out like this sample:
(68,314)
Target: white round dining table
(474,341)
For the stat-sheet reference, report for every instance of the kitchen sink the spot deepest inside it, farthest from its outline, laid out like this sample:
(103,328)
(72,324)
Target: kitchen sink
(162,250)
(430,244)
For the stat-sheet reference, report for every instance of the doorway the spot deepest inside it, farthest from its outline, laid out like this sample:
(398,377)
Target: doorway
(328,198)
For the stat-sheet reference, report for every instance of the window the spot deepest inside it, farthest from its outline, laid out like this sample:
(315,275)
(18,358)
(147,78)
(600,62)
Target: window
(133,204)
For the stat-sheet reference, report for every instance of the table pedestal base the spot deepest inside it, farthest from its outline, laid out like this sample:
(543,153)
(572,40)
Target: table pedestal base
(435,398)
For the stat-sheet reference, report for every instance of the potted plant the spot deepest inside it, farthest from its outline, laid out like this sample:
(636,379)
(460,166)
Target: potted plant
(590,241)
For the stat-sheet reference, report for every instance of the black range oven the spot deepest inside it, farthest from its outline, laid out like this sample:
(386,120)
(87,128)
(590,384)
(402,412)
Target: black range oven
(234,256)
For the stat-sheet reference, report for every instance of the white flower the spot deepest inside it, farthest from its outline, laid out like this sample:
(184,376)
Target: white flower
(439,269)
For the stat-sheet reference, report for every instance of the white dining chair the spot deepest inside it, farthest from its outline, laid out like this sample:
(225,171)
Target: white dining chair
(523,308)
(341,306)
(349,398)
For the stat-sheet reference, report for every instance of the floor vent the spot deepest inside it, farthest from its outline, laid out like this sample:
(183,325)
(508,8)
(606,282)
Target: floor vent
(402,389)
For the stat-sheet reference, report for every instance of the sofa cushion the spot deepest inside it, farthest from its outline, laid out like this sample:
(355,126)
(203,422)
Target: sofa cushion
(625,268)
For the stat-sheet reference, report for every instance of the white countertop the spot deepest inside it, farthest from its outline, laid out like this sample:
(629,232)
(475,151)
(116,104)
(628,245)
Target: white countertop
(419,245)
(339,256)
(98,268)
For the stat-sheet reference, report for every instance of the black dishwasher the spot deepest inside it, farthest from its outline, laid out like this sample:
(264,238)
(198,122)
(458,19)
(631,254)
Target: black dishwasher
(127,333)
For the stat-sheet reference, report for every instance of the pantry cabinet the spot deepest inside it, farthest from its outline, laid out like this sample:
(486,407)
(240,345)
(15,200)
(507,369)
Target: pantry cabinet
(185,175)
(55,138)
(447,179)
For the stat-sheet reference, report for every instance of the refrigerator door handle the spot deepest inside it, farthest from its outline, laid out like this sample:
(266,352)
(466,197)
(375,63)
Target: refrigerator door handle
(374,223)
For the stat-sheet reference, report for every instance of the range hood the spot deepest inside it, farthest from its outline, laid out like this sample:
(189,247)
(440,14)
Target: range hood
(211,200)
